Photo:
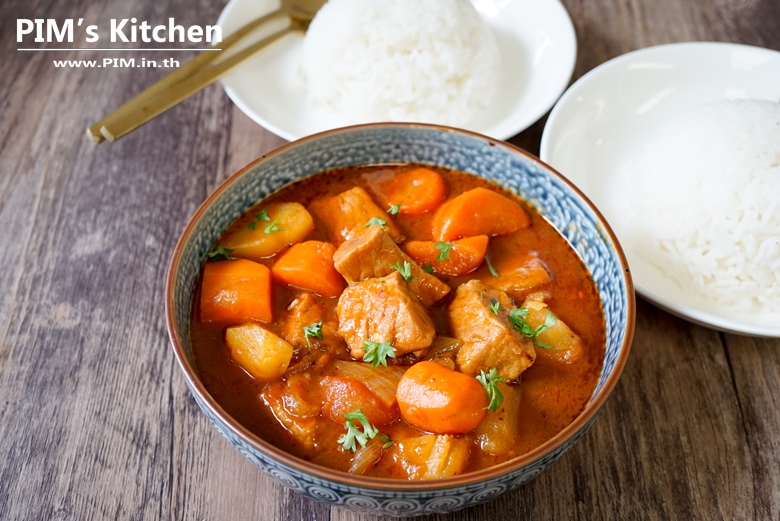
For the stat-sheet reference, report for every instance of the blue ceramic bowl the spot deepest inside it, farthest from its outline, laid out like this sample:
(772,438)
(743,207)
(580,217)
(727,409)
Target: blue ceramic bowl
(555,197)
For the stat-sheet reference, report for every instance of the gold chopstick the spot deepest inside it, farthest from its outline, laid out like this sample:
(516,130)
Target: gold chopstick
(116,126)
(148,103)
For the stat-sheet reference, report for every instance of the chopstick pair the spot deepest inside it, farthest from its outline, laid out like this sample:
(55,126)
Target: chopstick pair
(188,79)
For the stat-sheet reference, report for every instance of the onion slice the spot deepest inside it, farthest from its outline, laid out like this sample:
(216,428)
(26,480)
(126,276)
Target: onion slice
(366,457)
(382,381)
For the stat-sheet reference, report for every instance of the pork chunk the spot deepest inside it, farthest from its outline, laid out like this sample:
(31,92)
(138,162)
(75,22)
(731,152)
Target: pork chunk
(371,252)
(305,311)
(381,310)
(489,340)
(347,213)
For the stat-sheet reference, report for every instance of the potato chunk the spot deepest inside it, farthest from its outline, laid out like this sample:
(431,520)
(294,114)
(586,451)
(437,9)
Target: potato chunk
(432,456)
(498,431)
(259,352)
(282,224)
(565,345)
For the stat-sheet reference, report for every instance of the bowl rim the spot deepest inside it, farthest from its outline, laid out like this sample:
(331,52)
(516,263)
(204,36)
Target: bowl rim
(350,480)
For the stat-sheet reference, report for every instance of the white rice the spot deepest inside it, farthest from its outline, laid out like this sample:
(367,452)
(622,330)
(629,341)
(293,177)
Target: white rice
(429,61)
(705,195)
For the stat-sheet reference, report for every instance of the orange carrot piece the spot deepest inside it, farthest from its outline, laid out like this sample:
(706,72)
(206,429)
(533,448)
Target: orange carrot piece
(415,191)
(235,291)
(440,400)
(478,212)
(464,255)
(341,395)
(309,265)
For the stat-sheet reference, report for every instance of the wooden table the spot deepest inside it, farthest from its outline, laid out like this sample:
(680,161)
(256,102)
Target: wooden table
(95,419)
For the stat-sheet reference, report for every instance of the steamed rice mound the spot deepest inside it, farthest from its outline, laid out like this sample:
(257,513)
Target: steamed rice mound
(429,61)
(705,194)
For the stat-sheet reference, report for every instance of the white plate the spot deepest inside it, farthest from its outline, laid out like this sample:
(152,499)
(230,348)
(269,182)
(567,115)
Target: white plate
(613,108)
(536,39)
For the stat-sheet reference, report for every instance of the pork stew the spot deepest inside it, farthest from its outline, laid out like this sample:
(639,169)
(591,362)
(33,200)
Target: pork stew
(397,321)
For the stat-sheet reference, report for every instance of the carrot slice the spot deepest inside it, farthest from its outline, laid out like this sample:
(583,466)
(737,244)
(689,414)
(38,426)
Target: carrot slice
(414,191)
(458,257)
(309,265)
(235,291)
(478,212)
(341,395)
(436,399)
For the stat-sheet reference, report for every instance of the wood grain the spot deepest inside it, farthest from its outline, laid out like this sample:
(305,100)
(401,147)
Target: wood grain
(95,420)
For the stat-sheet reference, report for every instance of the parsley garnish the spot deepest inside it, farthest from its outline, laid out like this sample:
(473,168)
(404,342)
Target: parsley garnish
(517,319)
(444,251)
(220,253)
(490,267)
(273,227)
(394,209)
(355,419)
(314,330)
(490,381)
(404,269)
(428,268)
(262,216)
(377,352)
(375,221)
(495,306)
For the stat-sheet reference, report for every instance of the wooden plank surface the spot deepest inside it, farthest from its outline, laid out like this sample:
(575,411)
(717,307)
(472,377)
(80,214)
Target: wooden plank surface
(95,420)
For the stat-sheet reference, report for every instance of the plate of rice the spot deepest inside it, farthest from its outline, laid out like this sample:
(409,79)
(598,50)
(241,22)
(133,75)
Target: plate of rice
(679,146)
(489,66)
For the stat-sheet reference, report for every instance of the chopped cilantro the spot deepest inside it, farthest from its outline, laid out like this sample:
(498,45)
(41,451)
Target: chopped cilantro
(490,267)
(490,381)
(428,268)
(355,420)
(394,209)
(495,306)
(404,269)
(377,352)
(220,253)
(262,216)
(444,251)
(386,439)
(517,319)
(314,330)
(375,221)
(273,227)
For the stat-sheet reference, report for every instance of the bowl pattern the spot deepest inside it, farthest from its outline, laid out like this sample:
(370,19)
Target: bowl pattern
(518,172)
